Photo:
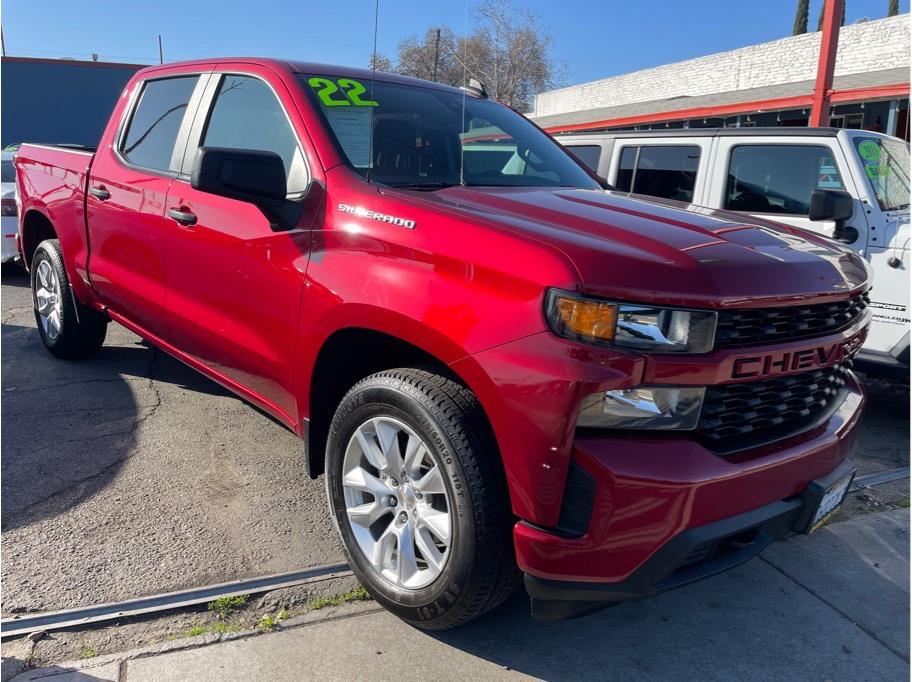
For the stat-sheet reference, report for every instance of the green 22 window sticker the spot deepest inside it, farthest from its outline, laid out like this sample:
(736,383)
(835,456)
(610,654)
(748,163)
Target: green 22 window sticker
(344,92)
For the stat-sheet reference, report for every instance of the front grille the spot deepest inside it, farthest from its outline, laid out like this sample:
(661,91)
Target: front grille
(745,327)
(738,415)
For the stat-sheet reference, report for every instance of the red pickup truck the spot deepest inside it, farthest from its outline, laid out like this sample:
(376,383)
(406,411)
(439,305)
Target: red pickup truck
(502,367)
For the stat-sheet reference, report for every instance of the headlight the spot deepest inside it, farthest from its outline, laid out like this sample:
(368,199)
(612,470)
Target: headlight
(645,407)
(662,330)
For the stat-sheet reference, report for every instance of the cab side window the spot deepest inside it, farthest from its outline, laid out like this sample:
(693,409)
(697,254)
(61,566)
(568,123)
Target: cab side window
(588,154)
(667,171)
(152,131)
(779,178)
(246,114)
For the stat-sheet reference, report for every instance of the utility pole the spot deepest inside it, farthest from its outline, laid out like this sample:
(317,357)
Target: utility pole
(823,87)
(2,43)
(436,55)
(161,57)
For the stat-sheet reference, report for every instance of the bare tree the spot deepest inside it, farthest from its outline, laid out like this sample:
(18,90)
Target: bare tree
(507,51)
(418,57)
(380,63)
(518,64)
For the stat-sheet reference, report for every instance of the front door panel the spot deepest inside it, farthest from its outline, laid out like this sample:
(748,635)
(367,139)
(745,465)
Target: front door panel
(234,288)
(234,282)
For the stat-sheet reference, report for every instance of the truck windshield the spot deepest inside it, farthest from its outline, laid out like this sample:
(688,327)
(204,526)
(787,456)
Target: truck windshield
(423,138)
(886,163)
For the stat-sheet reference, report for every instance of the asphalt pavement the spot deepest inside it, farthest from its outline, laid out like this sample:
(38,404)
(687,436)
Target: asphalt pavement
(831,606)
(131,474)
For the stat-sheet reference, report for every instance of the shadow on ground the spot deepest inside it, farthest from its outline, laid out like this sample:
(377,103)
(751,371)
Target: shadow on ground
(818,605)
(69,426)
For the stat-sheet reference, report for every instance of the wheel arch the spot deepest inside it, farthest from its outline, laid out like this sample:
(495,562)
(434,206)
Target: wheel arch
(36,227)
(350,353)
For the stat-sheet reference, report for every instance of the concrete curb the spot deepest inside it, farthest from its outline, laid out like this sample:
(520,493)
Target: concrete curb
(104,664)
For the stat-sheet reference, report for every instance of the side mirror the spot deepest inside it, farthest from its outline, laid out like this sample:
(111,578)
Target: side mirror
(257,177)
(836,205)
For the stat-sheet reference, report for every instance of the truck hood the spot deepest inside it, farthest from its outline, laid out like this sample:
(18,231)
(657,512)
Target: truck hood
(646,249)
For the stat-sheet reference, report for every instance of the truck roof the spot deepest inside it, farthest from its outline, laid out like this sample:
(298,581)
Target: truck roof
(711,132)
(306,67)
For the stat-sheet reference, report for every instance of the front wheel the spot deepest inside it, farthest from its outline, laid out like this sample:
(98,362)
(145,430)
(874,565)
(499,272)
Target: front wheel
(67,328)
(418,497)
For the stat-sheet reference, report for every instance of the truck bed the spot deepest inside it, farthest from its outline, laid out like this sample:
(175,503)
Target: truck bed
(52,182)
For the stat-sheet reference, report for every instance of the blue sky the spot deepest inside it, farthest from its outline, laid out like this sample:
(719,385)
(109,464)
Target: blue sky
(593,39)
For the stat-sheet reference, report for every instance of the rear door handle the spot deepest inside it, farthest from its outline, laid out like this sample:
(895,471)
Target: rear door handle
(100,193)
(183,217)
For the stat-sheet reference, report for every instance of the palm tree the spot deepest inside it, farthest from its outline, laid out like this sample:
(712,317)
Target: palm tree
(801,18)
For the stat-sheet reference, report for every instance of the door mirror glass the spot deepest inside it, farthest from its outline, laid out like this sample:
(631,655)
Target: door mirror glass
(836,205)
(830,204)
(254,176)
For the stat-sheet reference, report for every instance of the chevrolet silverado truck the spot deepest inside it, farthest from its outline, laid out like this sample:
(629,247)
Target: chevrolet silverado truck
(505,371)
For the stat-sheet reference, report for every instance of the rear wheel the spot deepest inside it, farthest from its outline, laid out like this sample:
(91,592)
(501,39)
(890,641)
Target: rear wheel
(67,328)
(419,500)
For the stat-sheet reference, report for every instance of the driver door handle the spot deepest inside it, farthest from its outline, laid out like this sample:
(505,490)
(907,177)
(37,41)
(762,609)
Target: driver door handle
(183,217)
(100,193)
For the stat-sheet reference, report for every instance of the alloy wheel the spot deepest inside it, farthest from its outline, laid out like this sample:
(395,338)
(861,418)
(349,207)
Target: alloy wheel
(48,300)
(396,502)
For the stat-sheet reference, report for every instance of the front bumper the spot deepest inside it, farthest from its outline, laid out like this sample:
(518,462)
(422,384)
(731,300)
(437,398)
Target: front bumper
(688,557)
(666,512)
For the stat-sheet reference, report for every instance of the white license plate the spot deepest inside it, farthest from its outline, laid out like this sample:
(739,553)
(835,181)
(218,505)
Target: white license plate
(831,501)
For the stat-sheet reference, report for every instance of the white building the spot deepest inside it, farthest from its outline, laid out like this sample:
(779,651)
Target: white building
(768,84)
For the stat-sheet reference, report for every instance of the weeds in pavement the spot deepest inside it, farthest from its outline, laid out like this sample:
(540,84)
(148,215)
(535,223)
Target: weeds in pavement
(357,594)
(224,606)
(87,652)
(221,627)
(904,504)
(267,622)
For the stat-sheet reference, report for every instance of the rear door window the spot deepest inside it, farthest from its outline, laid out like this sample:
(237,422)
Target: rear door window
(667,171)
(779,178)
(588,154)
(152,131)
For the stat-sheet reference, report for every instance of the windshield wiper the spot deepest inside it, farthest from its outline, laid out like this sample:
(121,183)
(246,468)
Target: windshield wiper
(422,186)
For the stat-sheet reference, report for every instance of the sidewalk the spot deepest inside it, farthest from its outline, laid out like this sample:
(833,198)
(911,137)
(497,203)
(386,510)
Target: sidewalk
(832,606)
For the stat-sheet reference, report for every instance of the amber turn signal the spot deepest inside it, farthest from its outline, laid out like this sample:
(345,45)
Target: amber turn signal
(585,318)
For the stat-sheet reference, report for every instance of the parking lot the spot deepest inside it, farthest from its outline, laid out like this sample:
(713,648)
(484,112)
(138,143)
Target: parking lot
(131,474)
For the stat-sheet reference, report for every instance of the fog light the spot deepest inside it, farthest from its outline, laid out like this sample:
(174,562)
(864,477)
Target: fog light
(645,407)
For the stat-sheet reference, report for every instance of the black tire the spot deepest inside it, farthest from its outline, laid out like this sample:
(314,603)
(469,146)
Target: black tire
(82,329)
(481,570)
